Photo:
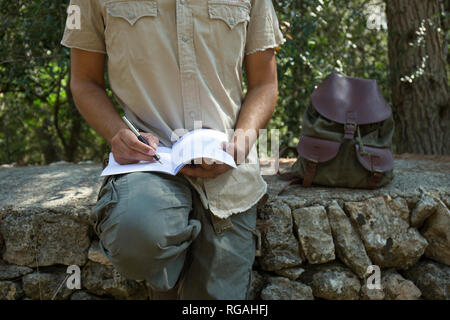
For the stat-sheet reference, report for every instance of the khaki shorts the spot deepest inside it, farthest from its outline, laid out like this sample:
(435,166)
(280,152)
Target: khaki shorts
(153,226)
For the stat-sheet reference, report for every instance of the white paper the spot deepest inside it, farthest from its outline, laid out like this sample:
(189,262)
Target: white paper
(166,166)
(203,143)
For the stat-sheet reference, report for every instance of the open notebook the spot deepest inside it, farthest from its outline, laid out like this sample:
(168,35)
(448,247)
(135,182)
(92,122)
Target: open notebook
(202,143)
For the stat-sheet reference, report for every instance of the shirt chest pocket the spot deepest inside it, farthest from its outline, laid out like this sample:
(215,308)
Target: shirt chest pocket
(228,23)
(231,12)
(127,26)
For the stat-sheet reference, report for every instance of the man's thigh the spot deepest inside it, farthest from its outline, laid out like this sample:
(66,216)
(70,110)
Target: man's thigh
(221,264)
(142,221)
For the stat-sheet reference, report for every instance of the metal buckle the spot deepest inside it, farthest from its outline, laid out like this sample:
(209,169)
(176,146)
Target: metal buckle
(350,123)
(364,153)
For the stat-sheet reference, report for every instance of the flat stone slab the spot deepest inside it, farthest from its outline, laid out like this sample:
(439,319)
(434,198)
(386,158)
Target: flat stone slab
(68,189)
(71,188)
(413,174)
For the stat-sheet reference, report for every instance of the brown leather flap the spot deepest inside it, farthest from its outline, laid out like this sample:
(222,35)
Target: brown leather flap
(317,149)
(378,159)
(346,99)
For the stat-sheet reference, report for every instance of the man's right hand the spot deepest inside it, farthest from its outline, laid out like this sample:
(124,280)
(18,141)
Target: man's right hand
(127,148)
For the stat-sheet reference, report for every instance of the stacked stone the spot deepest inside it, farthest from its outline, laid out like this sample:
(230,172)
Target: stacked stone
(39,247)
(324,249)
(316,243)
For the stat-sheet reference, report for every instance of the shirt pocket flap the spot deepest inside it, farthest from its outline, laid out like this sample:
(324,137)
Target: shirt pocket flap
(232,12)
(132,11)
(375,159)
(317,150)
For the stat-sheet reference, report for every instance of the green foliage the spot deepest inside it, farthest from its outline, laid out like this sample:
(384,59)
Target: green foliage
(322,36)
(39,122)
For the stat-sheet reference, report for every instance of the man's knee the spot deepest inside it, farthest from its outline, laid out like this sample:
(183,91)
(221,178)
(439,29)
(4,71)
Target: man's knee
(137,242)
(153,229)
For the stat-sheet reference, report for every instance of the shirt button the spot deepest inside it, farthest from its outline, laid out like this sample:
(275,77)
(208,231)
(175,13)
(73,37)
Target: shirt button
(185,38)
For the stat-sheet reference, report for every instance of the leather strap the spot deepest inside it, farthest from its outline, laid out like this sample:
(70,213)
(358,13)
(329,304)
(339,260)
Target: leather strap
(311,169)
(293,181)
(350,125)
(349,130)
(375,180)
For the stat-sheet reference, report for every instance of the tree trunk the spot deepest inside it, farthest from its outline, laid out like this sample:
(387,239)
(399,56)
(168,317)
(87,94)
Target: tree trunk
(420,93)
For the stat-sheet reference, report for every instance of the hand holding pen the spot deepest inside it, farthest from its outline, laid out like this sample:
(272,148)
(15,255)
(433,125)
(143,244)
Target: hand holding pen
(127,149)
(140,137)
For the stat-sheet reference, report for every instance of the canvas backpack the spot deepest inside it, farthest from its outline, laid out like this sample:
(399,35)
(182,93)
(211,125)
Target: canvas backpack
(346,136)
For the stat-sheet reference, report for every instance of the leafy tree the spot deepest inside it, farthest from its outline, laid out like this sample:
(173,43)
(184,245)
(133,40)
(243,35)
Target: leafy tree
(39,122)
(322,36)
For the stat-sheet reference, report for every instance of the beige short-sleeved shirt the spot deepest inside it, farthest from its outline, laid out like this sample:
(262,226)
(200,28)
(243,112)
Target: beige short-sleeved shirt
(174,62)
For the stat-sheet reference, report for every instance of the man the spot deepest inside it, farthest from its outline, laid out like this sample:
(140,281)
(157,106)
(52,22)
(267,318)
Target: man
(173,64)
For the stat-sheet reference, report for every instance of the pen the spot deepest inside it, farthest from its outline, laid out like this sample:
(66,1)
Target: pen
(140,137)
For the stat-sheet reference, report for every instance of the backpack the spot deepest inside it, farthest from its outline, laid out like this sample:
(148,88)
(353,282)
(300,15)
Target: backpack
(346,136)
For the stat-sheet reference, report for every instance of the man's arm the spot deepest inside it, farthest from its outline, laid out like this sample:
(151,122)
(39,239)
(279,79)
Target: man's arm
(262,94)
(255,113)
(87,84)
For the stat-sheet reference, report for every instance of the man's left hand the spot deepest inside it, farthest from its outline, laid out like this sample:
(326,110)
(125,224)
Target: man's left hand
(212,170)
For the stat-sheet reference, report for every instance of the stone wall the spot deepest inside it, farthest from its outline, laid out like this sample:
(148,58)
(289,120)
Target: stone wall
(315,243)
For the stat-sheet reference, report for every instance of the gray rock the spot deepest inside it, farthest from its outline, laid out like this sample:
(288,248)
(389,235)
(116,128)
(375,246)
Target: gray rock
(349,247)
(446,199)
(97,255)
(424,209)
(44,239)
(432,278)
(10,290)
(71,189)
(383,225)
(9,271)
(60,163)
(257,284)
(86,162)
(279,288)
(294,202)
(333,282)
(314,234)
(280,249)
(290,273)
(46,286)
(83,295)
(371,294)
(104,280)
(437,232)
(398,288)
